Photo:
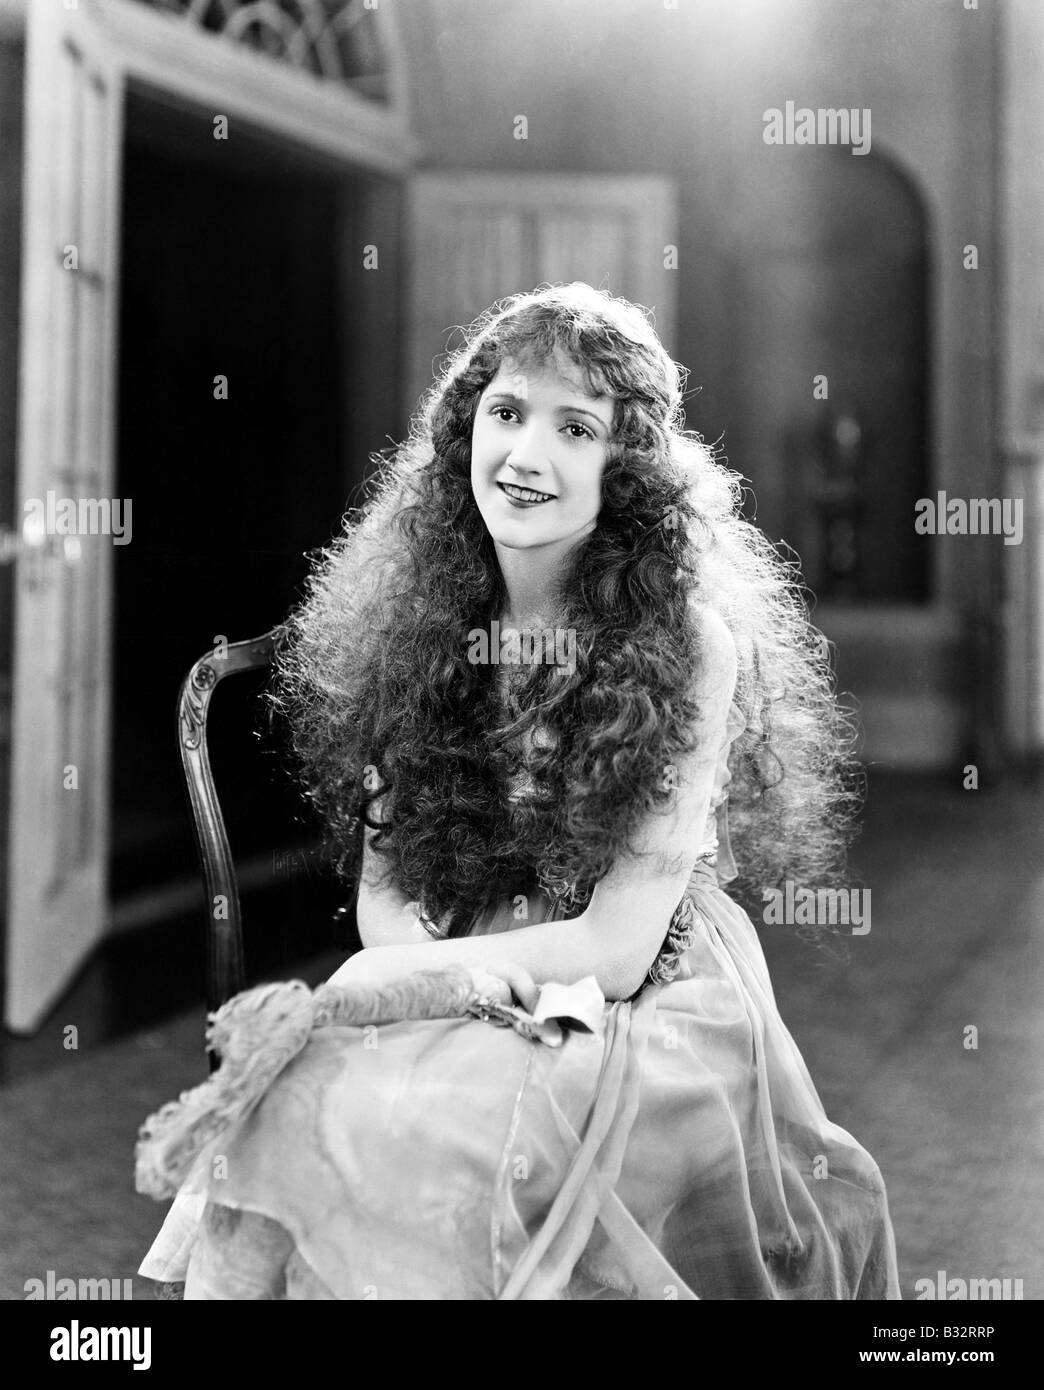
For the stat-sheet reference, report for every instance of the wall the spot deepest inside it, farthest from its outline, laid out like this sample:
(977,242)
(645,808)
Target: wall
(1022,363)
(682,91)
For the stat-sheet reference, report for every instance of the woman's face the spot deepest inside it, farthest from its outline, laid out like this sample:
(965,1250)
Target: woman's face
(538,447)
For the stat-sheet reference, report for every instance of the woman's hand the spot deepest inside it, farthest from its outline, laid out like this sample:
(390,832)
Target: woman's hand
(504,982)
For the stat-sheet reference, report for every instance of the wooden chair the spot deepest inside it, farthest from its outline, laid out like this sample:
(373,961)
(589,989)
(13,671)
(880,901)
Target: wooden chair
(225,974)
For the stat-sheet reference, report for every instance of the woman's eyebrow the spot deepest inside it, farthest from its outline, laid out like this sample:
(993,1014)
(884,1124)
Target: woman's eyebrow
(579,410)
(510,398)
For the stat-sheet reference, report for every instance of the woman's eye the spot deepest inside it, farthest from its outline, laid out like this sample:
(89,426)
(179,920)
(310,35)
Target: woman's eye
(585,433)
(501,410)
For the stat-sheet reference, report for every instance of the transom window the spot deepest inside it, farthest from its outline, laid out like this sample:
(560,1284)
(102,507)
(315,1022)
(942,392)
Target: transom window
(336,40)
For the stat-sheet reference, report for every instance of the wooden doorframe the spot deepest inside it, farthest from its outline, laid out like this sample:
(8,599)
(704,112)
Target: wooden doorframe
(129,47)
(163,51)
(166,53)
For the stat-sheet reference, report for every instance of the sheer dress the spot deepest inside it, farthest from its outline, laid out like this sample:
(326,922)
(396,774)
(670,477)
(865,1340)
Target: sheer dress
(680,1150)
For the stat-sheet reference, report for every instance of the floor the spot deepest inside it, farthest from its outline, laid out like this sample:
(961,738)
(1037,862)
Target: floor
(954,1118)
(144,975)
(957,894)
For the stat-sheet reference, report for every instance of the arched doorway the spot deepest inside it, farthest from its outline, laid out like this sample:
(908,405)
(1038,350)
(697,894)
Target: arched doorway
(841,296)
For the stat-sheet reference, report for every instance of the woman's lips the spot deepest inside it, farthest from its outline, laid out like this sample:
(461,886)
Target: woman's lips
(524,496)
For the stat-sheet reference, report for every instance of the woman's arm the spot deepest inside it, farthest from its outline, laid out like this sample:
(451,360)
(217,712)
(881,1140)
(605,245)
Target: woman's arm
(616,938)
(383,913)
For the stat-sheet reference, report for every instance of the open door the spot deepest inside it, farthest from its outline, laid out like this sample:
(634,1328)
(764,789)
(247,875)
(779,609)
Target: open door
(474,238)
(57,902)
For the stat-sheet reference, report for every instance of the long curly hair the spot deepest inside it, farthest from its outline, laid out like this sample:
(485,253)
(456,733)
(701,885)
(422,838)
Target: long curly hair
(394,727)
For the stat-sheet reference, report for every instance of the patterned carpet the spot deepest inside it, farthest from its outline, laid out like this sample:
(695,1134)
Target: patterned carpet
(956,941)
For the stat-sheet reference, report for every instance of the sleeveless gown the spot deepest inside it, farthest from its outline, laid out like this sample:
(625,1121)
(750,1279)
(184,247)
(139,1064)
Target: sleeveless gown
(681,1151)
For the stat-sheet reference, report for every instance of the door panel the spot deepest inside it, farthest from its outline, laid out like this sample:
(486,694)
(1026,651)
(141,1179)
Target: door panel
(475,238)
(63,599)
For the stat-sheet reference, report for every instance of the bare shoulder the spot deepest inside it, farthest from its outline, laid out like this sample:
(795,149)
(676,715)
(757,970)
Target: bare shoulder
(717,652)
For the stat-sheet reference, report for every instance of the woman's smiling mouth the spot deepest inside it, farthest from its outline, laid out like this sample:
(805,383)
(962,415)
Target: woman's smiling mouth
(524,496)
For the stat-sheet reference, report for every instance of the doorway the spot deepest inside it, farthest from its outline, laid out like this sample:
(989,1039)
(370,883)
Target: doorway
(232,368)
(109,82)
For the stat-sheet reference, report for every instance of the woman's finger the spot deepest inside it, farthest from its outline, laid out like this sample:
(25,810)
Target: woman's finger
(521,983)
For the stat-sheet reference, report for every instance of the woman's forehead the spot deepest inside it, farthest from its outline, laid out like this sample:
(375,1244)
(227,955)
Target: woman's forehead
(582,378)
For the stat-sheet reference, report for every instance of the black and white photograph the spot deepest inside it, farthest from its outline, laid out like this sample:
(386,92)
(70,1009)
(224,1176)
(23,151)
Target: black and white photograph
(522,660)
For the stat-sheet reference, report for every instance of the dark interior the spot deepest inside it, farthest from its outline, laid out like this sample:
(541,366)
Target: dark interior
(228,494)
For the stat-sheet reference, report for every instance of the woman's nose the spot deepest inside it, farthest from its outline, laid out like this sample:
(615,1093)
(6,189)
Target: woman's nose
(529,452)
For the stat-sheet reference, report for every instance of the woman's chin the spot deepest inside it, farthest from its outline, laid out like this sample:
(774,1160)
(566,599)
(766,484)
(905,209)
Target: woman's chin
(519,530)
(530,535)
(513,538)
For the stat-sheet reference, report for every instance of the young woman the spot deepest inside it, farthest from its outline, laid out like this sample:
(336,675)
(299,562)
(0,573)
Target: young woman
(541,689)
